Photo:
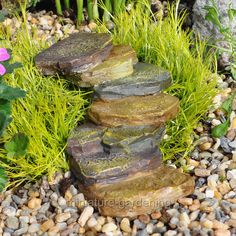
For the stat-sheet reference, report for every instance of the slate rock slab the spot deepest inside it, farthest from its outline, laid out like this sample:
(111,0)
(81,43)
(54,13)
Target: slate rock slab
(135,110)
(102,168)
(75,54)
(89,139)
(130,139)
(147,79)
(143,193)
(118,64)
(85,140)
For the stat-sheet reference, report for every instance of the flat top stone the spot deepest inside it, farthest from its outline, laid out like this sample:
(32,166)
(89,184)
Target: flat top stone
(77,53)
(146,79)
(107,168)
(135,110)
(142,193)
(117,65)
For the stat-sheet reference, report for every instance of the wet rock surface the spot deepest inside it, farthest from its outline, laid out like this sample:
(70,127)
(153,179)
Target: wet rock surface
(135,110)
(147,79)
(75,54)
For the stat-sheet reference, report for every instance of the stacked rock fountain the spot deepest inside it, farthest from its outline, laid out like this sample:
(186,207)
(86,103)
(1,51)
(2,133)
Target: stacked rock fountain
(115,155)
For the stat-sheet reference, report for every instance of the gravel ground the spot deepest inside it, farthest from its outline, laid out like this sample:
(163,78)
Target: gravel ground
(47,208)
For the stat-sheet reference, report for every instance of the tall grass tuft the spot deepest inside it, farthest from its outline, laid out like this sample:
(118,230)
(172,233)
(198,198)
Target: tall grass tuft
(47,114)
(164,43)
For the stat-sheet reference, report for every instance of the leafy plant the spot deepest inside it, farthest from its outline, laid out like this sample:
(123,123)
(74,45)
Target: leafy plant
(7,95)
(221,129)
(164,43)
(17,146)
(229,37)
(3,179)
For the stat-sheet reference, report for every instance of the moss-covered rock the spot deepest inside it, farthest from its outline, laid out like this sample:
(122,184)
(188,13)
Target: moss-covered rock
(118,64)
(75,54)
(141,193)
(135,110)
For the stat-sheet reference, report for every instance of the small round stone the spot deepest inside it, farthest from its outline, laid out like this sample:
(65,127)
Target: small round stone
(109,227)
(92,222)
(33,228)
(12,222)
(34,203)
(125,225)
(62,217)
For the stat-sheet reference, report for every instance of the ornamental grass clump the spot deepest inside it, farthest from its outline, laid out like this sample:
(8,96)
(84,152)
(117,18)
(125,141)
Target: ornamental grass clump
(46,115)
(163,42)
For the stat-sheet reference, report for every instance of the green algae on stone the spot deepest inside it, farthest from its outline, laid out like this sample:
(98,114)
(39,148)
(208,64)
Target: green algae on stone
(75,54)
(118,64)
(147,79)
(135,110)
(106,168)
(85,140)
(142,195)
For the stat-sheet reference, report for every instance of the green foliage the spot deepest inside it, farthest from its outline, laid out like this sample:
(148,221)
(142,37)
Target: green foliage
(164,43)
(228,36)
(221,129)
(17,146)
(9,93)
(46,115)
(3,179)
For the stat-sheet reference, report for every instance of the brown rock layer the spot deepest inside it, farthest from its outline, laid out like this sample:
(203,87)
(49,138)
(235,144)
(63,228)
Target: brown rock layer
(75,54)
(118,64)
(102,169)
(142,193)
(135,110)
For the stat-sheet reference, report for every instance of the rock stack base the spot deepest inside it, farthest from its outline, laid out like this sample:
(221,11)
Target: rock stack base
(116,155)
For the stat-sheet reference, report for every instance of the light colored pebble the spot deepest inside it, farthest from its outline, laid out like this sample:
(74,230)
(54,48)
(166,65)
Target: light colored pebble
(224,187)
(185,201)
(92,222)
(85,215)
(125,225)
(222,232)
(101,220)
(231,174)
(109,227)
(207,224)
(62,217)
(9,211)
(62,201)
(34,203)
(219,225)
(205,146)
(21,231)
(12,222)
(209,193)
(47,225)
(170,233)
(193,216)
(202,172)
(150,228)
(34,228)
